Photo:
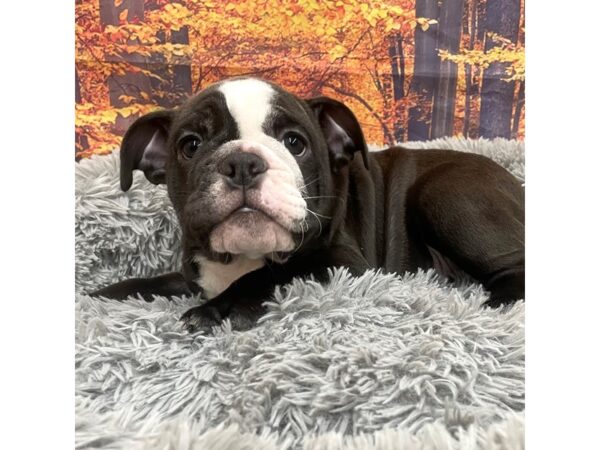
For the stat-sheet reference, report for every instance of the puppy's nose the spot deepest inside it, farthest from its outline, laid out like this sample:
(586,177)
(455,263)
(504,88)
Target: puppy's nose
(242,170)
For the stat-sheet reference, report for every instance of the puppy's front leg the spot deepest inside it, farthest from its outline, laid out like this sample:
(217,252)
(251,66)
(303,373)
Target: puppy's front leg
(167,285)
(241,301)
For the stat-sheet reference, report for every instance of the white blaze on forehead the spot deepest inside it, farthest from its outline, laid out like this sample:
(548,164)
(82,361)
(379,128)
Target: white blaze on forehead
(279,196)
(249,102)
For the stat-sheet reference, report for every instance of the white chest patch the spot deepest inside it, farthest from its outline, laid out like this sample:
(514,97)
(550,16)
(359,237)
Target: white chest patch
(249,102)
(215,277)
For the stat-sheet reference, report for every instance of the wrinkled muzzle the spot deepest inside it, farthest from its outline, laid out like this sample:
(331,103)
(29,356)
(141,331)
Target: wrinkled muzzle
(258,192)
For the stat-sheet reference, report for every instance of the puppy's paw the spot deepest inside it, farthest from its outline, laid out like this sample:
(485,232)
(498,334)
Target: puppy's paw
(202,318)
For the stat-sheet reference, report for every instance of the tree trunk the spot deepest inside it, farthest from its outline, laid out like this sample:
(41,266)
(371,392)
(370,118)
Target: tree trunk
(521,92)
(425,72)
(175,84)
(130,84)
(444,99)
(518,109)
(502,17)
(77,88)
(472,30)
(480,19)
(396,53)
(182,74)
(81,141)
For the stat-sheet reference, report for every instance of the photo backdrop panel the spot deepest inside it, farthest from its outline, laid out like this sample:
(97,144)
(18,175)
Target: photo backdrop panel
(410,70)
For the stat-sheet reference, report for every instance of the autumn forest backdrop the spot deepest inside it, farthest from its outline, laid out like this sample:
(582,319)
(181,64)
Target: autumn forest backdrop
(409,69)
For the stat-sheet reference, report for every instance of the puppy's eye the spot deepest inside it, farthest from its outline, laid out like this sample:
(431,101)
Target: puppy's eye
(294,143)
(189,146)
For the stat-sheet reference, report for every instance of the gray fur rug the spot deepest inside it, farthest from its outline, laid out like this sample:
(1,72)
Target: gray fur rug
(376,362)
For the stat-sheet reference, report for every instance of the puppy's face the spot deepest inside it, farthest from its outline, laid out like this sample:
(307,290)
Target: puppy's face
(247,165)
(245,168)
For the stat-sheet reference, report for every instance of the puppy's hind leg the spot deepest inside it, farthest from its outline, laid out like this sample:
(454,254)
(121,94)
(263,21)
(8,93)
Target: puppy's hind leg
(474,215)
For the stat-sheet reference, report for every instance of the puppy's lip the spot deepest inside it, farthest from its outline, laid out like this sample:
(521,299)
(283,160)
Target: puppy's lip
(252,209)
(246,210)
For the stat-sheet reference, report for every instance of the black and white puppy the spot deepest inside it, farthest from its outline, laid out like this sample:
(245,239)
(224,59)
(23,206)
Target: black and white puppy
(266,188)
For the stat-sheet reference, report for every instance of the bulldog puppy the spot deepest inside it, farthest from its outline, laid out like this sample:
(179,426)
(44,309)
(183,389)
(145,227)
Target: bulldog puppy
(266,188)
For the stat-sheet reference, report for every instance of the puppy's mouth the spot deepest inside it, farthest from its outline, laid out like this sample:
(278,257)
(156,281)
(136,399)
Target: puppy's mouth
(247,212)
(251,232)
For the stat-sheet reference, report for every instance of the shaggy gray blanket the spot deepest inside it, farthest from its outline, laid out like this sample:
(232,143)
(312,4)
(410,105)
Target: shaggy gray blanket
(376,362)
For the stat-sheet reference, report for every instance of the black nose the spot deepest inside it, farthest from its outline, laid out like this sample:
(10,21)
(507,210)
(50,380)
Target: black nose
(242,170)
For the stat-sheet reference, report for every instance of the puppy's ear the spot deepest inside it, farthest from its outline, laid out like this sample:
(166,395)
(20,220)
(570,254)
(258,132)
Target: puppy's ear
(341,130)
(144,147)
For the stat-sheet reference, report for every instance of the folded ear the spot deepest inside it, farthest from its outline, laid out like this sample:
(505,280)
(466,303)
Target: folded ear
(144,147)
(341,130)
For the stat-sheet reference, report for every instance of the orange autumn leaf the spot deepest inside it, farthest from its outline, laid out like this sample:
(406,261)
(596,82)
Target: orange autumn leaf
(123,15)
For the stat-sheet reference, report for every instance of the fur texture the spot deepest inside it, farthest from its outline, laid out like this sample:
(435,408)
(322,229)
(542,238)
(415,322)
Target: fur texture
(375,362)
